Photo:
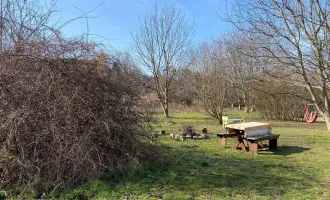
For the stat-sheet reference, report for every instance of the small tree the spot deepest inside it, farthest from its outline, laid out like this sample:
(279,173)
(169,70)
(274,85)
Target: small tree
(161,47)
(212,80)
(242,68)
(185,85)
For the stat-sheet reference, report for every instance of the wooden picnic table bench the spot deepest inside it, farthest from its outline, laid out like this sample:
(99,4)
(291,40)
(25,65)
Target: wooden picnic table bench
(223,136)
(249,134)
(254,142)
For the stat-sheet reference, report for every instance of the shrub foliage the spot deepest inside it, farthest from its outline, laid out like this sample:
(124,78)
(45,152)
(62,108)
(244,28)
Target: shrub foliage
(66,121)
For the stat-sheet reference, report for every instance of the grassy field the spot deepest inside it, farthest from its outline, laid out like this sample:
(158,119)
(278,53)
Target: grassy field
(298,169)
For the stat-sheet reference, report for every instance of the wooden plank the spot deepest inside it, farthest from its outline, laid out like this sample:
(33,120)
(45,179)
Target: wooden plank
(234,121)
(250,126)
(232,134)
(264,137)
(220,134)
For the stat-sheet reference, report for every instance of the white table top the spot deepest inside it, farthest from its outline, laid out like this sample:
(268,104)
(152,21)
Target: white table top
(251,128)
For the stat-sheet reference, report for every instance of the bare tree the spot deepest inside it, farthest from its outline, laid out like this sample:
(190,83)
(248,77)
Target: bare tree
(161,47)
(23,23)
(185,86)
(212,82)
(242,67)
(295,35)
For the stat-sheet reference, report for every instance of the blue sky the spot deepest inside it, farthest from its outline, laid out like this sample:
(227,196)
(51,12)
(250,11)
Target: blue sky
(114,20)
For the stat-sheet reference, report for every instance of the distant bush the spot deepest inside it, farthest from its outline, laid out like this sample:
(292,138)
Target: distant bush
(280,101)
(67,121)
(280,107)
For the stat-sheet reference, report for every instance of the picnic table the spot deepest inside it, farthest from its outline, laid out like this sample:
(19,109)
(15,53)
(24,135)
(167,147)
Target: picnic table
(249,134)
(235,121)
(226,121)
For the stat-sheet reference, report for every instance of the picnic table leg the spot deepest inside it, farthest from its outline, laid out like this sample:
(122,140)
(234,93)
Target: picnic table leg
(235,145)
(253,147)
(239,142)
(242,145)
(245,142)
(260,145)
(222,141)
(273,144)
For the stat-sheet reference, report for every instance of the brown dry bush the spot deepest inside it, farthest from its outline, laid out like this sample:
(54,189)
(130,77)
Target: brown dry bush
(279,100)
(67,121)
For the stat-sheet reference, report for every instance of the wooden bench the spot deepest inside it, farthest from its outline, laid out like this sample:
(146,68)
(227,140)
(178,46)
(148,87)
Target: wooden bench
(226,121)
(255,141)
(223,136)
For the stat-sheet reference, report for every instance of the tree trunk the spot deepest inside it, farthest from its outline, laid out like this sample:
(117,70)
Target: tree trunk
(220,118)
(252,109)
(246,103)
(239,104)
(165,107)
(327,120)
(252,105)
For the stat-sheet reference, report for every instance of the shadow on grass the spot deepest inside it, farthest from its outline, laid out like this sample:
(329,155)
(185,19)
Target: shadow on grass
(193,172)
(281,150)
(288,150)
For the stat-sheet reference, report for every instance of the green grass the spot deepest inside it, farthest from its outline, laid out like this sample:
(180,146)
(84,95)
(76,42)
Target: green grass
(298,169)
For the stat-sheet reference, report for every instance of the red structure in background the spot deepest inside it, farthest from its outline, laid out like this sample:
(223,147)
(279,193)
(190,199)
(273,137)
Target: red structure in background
(310,118)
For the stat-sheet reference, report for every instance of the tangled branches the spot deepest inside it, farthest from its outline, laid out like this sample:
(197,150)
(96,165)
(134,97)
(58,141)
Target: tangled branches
(66,121)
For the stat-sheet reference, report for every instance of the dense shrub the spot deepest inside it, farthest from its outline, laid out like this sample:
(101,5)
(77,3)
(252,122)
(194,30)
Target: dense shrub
(64,122)
(280,107)
(280,100)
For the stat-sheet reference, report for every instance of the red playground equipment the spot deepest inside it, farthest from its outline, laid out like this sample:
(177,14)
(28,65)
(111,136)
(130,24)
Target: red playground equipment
(310,118)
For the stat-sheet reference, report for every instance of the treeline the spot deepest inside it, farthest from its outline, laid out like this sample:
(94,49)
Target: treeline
(227,73)
(236,69)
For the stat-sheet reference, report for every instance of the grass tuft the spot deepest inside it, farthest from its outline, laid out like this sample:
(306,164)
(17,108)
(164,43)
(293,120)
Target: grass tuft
(205,164)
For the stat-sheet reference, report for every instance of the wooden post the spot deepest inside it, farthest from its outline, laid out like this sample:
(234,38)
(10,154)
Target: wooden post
(239,142)
(222,141)
(273,144)
(253,147)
